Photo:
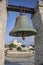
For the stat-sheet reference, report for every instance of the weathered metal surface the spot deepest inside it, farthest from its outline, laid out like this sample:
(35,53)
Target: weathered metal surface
(22,27)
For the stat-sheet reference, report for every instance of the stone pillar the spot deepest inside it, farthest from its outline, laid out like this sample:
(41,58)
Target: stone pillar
(3,18)
(38,25)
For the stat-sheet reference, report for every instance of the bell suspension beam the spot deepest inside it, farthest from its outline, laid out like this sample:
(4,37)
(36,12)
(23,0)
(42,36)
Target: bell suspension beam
(17,9)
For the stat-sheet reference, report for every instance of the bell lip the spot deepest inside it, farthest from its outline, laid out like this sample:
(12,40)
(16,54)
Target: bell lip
(14,33)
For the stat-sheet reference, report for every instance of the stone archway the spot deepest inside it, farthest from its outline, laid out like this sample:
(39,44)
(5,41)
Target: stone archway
(38,25)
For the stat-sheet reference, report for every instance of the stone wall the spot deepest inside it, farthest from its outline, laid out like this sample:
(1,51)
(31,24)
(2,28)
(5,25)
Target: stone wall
(38,25)
(3,18)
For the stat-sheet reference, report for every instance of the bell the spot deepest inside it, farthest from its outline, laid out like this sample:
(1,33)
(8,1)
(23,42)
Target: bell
(22,27)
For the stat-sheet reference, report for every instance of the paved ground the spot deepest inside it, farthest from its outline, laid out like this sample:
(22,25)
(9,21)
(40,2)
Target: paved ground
(19,61)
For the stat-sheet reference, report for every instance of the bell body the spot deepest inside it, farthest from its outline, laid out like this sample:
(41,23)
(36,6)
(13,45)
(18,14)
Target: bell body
(22,27)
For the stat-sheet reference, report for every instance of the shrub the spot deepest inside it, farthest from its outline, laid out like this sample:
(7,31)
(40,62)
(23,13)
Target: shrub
(18,48)
(10,48)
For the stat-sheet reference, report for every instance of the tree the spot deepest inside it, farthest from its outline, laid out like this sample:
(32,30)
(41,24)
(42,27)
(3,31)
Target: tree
(33,46)
(22,45)
(12,45)
(6,45)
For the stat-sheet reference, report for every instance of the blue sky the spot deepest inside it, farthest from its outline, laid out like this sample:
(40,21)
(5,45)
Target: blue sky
(12,19)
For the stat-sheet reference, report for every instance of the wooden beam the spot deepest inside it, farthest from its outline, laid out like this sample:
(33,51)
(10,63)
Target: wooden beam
(18,8)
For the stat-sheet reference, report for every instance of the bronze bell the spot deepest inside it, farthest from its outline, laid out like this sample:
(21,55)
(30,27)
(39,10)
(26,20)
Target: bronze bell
(22,27)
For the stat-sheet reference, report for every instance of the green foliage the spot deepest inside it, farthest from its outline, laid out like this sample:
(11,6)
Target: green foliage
(6,45)
(18,48)
(12,45)
(22,45)
(33,46)
(10,48)
(32,49)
